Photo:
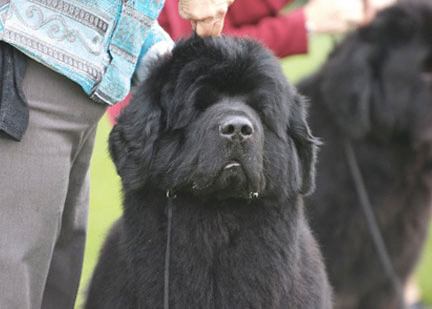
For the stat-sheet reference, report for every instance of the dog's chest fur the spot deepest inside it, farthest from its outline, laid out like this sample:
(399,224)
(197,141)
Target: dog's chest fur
(220,255)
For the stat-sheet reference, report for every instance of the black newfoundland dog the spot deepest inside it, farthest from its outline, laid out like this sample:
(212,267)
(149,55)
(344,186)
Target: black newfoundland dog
(375,92)
(218,127)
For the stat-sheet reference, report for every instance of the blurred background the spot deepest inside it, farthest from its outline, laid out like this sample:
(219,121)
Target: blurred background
(105,196)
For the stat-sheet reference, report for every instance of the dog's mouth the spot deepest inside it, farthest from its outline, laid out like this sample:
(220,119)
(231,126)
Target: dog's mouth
(235,170)
(233,179)
(232,165)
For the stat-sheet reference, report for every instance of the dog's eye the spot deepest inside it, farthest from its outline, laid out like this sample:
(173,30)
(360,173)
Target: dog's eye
(427,64)
(203,104)
(205,97)
(427,68)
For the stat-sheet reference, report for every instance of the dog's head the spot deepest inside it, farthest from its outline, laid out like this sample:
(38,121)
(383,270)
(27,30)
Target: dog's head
(216,117)
(378,80)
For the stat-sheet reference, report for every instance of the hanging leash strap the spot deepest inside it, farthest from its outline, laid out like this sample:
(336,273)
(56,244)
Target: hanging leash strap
(372,223)
(170,197)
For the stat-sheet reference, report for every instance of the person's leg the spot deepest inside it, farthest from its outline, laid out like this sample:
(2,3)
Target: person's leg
(65,269)
(36,176)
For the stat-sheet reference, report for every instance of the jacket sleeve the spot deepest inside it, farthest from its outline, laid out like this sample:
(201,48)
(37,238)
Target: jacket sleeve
(284,34)
(157,43)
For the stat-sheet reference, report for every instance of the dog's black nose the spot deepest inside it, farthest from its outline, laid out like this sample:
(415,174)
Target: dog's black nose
(236,128)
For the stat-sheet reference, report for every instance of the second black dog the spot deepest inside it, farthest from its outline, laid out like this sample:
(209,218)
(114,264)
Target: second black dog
(375,93)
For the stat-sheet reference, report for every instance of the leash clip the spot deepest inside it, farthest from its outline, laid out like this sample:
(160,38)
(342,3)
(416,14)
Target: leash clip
(171,195)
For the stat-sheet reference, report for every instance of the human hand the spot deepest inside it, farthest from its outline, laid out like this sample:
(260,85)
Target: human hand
(334,16)
(206,16)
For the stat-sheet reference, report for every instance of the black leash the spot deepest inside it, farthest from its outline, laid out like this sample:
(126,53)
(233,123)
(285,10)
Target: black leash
(170,197)
(373,224)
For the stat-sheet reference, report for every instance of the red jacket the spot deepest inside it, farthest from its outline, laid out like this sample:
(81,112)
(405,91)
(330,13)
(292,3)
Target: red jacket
(285,34)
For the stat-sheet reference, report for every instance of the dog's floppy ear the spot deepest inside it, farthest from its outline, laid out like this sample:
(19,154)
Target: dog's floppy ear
(346,87)
(305,143)
(132,140)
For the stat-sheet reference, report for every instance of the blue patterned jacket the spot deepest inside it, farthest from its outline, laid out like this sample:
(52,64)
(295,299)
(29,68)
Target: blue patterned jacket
(96,43)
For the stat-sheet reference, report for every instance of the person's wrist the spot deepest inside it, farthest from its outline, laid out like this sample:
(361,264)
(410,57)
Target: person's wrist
(309,14)
(310,27)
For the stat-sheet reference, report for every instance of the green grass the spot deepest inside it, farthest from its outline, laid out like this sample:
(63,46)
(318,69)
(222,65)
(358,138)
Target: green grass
(105,203)
(105,198)
(424,271)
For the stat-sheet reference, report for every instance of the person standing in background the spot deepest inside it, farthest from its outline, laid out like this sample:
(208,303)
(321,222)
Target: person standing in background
(284,33)
(62,63)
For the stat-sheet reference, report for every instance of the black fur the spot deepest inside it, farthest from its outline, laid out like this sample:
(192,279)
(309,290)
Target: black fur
(374,91)
(229,249)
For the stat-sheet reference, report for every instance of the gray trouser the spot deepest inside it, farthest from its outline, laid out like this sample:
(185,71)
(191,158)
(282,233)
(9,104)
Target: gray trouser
(44,181)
